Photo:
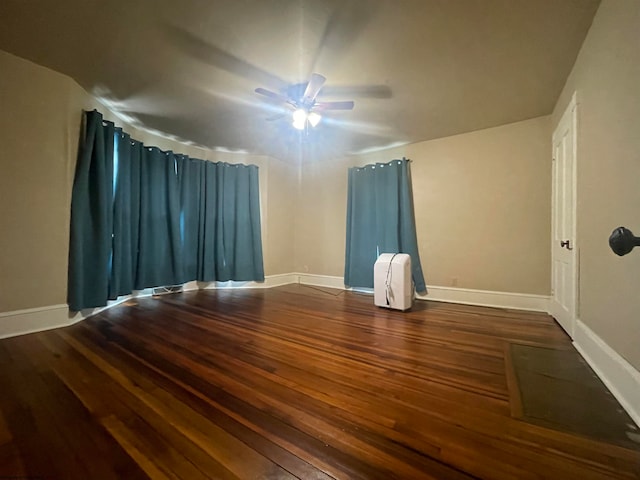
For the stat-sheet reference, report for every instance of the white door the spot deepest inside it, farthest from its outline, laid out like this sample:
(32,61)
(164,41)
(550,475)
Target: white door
(564,273)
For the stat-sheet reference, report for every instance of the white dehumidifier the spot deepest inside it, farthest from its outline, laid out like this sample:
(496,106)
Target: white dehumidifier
(392,284)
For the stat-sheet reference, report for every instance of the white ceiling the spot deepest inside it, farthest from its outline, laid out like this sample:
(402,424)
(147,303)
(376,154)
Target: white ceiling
(416,69)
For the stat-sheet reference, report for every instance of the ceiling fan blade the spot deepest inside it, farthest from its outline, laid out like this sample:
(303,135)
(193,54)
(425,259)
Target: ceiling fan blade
(276,117)
(345,23)
(210,54)
(347,105)
(361,91)
(313,88)
(272,95)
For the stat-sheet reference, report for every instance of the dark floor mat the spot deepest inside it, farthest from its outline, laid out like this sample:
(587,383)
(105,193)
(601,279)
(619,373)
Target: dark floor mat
(558,389)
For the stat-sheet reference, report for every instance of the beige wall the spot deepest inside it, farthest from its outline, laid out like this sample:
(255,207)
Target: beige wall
(39,131)
(281,179)
(482,203)
(606,77)
(33,184)
(320,217)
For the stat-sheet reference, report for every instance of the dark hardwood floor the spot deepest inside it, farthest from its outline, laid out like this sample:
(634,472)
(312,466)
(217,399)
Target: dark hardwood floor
(291,382)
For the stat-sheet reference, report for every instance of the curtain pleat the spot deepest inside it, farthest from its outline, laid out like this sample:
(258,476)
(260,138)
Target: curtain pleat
(253,242)
(208,211)
(121,261)
(135,171)
(362,245)
(380,219)
(126,215)
(165,220)
(225,232)
(247,245)
(189,174)
(91,216)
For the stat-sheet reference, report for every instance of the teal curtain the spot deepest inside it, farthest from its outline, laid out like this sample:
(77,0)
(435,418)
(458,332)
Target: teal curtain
(237,223)
(142,217)
(160,256)
(91,216)
(126,215)
(192,182)
(220,221)
(380,219)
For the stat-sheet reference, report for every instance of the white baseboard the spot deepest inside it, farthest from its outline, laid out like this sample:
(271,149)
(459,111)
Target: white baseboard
(320,280)
(622,380)
(190,286)
(270,281)
(486,298)
(21,322)
(32,320)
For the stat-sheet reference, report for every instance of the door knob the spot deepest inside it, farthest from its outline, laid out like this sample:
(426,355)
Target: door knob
(566,244)
(622,241)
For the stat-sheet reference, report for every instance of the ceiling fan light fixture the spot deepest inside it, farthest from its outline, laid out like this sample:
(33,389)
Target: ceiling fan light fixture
(304,103)
(314,118)
(299,119)
(302,116)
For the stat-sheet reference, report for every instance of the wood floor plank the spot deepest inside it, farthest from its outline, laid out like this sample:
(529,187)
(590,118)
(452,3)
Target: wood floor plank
(289,382)
(130,442)
(50,446)
(226,457)
(279,405)
(5,433)
(167,386)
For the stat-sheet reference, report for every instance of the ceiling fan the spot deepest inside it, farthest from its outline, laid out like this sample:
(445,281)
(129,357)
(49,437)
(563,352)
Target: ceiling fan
(301,98)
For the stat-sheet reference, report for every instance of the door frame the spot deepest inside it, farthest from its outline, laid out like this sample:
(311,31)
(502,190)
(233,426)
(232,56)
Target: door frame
(570,114)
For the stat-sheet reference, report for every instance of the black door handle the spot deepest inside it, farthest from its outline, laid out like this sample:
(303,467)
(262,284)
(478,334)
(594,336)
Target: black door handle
(622,241)
(566,244)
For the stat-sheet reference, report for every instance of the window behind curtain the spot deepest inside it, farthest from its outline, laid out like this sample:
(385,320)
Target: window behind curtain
(142,217)
(380,219)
